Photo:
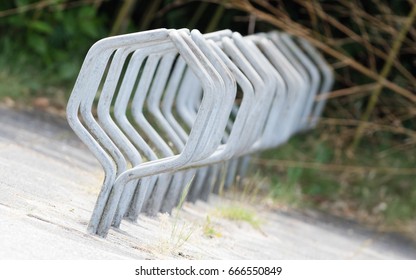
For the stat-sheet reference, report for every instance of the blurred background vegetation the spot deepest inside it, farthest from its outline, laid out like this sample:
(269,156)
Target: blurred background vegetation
(359,163)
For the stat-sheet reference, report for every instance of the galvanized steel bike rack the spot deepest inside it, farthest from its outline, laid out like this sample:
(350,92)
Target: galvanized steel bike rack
(177,108)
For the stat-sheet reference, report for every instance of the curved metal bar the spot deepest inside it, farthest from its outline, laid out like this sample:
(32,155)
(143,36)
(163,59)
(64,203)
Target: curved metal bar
(327,75)
(210,81)
(314,78)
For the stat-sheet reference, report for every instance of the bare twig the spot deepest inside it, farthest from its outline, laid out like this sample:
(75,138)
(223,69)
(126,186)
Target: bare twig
(348,91)
(370,125)
(149,14)
(197,15)
(384,73)
(123,16)
(297,29)
(213,23)
(365,40)
(171,6)
(44,4)
(333,167)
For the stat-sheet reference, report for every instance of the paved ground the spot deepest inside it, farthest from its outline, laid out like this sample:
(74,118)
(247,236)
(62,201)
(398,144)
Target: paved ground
(49,182)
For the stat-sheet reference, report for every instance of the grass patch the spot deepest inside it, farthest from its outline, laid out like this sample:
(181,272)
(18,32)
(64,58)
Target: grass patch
(237,213)
(375,185)
(13,86)
(209,230)
(181,232)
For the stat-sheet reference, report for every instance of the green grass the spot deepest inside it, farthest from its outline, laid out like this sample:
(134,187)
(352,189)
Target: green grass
(377,195)
(23,84)
(238,213)
(17,87)
(209,229)
(181,233)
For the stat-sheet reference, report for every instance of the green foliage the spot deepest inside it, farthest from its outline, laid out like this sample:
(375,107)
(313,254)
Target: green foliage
(375,194)
(47,43)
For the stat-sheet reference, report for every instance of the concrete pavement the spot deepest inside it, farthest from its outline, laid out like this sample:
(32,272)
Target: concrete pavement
(49,182)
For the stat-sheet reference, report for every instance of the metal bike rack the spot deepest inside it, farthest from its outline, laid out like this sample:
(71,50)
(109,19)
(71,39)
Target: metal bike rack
(177,109)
